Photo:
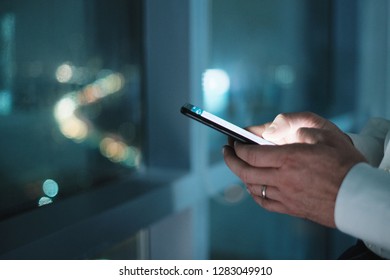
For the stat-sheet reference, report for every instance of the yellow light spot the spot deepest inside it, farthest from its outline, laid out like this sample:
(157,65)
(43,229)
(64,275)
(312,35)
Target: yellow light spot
(74,128)
(114,150)
(64,108)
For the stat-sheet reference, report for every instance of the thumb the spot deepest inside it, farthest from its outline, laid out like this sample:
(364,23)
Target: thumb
(315,136)
(309,135)
(278,131)
(325,136)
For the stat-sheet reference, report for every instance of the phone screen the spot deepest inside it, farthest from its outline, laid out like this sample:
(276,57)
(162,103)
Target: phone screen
(222,125)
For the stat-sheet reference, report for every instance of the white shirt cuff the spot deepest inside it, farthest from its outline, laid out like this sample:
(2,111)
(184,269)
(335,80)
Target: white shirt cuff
(363,205)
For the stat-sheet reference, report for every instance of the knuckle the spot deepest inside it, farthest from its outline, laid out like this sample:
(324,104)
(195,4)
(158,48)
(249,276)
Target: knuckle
(302,133)
(289,159)
(252,157)
(310,115)
(243,174)
(281,117)
(248,154)
(313,135)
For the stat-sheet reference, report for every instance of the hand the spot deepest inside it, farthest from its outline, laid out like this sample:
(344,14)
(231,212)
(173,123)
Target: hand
(302,178)
(285,127)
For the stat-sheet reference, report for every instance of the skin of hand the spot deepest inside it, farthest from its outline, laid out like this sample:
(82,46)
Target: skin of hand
(303,173)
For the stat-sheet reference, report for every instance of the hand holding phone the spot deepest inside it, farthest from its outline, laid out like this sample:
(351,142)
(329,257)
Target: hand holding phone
(222,125)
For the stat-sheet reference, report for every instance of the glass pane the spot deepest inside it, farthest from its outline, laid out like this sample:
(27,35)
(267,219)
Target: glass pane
(273,56)
(134,247)
(70,97)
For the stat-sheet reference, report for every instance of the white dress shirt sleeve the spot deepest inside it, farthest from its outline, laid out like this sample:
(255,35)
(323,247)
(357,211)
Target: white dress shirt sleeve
(362,205)
(371,140)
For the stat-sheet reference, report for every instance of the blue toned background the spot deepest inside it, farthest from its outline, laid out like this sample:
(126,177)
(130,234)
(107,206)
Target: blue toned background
(96,161)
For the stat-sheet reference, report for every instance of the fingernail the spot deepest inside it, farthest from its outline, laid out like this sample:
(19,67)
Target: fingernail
(224,149)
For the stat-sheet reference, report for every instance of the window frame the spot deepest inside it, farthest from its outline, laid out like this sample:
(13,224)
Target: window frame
(81,226)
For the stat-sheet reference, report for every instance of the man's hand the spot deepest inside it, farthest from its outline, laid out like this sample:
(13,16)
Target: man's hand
(285,127)
(302,177)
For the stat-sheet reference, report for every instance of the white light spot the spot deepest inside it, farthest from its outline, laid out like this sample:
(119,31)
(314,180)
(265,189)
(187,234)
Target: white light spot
(284,75)
(64,108)
(44,201)
(216,85)
(64,73)
(50,188)
(216,82)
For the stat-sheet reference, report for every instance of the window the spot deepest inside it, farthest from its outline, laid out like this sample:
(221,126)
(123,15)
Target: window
(112,212)
(70,98)
(280,56)
(130,177)
(269,57)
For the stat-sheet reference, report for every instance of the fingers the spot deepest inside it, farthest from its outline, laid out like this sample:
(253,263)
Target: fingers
(304,119)
(248,173)
(258,129)
(261,155)
(255,179)
(322,136)
(279,130)
(271,205)
(231,141)
(284,127)
(270,192)
(313,135)
(271,200)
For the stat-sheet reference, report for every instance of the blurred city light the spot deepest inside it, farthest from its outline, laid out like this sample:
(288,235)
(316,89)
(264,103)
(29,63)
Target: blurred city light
(64,108)
(50,188)
(77,129)
(5,102)
(284,75)
(216,85)
(64,73)
(117,151)
(44,200)
(74,128)
(7,45)
(215,82)
(234,194)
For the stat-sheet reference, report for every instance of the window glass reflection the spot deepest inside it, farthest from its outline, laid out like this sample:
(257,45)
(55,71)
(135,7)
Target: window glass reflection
(280,56)
(70,106)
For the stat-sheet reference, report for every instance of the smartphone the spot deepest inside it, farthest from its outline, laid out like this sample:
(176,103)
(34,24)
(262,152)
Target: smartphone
(221,125)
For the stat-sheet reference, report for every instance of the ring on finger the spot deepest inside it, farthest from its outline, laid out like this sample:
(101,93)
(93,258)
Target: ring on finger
(264,191)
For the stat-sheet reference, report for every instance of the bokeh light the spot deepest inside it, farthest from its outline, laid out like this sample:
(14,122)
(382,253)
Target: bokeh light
(44,200)
(74,128)
(215,82)
(77,129)
(216,85)
(64,73)
(50,188)
(65,108)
